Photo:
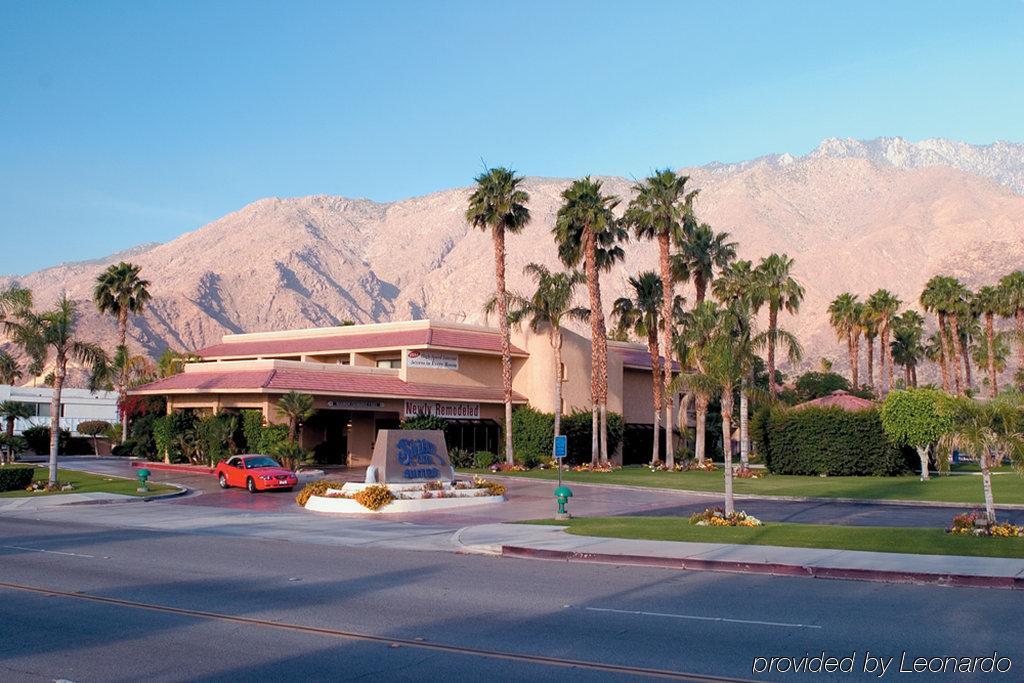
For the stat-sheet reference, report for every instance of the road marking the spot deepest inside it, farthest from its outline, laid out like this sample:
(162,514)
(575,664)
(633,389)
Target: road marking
(390,642)
(697,617)
(51,552)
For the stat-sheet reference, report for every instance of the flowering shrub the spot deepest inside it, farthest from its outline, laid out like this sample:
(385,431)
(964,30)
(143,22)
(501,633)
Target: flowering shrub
(493,487)
(965,524)
(662,467)
(433,485)
(605,467)
(742,472)
(316,488)
(717,517)
(374,497)
(505,467)
(706,466)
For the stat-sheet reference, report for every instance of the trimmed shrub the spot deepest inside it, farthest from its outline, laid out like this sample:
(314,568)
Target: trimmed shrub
(460,458)
(532,435)
(316,488)
(38,439)
(426,422)
(828,441)
(577,427)
(262,438)
(15,477)
(484,459)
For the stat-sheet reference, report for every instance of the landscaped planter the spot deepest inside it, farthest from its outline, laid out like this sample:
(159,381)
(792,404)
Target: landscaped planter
(413,499)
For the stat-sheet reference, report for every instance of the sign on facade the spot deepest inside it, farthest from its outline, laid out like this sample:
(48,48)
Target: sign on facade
(432,359)
(410,455)
(449,411)
(355,405)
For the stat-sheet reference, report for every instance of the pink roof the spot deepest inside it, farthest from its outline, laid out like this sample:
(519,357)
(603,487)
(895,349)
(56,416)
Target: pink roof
(838,399)
(430,337)
(314,382)
(642,359)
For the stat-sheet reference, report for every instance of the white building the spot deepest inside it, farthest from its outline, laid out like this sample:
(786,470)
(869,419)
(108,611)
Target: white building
(76,405)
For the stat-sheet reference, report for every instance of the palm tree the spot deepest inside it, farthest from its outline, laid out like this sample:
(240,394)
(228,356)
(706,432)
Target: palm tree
(970,332)
(776,287)
(663,210)
(1012,288)
(296,408)
(990,302)
(988,430)
(700,255)
(55,332)
(993,355)
(10,373)
(498,204)
(935,299)
(869,324)
(10,411)
(587,231)
(883,305)
(550,305)
(845,318)
(733,287)
(702,325)
(119,291)
(906,346)
(641,315)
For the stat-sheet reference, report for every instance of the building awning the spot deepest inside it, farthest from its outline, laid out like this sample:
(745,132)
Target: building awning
(334,383)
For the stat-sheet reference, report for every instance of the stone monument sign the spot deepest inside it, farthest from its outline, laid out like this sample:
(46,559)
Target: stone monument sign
(409,456)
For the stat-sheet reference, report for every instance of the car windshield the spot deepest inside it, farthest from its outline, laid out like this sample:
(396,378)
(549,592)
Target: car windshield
(251,463)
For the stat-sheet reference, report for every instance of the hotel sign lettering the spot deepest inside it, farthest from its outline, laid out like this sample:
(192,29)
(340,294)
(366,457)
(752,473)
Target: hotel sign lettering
(355,405)
(407,456)
(432,359)
(446,410)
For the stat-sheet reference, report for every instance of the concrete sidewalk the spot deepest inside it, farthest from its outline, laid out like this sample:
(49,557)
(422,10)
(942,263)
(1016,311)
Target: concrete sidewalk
(554,543)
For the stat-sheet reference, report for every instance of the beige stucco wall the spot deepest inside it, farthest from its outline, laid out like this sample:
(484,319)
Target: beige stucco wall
(534,379)
(474,370)
(637,398)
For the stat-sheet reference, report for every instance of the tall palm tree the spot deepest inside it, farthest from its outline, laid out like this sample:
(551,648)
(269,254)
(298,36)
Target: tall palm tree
(586,231)
(703,253)
(550,305)
(993,356)
(120,292)
(498,204)
(1012,288)
(296,408)
(970,332)
(702,325)
(990,302)
(906,346)
(663,210)
(869,324)
(935,298)
(734,287)
(11,411)
(846,319)
(55,332)
(640,314)
(10,373)
(883,305)
(776,287)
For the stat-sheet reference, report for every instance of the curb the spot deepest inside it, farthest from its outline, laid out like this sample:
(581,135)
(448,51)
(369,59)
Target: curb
(191,469)
(789,499)
(137,499)
(773,569)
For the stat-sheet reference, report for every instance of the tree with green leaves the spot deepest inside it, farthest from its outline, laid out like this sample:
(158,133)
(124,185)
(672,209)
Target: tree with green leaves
(498,204)
(662,210)
(10,373)
(640,313)
(120,292)
(701,255)
(946,297)
(993,355)
(55,333)
(588,233)
(93,429)
(173,362)
(702,325)
(546,310)
(1011,288)
(775,286)
(296,408)
(917,418)
(10,412)
(844,314)
(884,305)
(989,431)
(907,347)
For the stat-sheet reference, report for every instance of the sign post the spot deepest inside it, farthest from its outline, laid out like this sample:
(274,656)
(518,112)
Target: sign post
(562,493)
(561,446)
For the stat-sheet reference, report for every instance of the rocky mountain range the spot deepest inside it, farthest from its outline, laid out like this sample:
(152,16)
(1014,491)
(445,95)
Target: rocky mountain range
(855,215)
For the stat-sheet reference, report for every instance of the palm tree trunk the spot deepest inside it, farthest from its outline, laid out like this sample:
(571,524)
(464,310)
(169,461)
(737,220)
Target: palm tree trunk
(59,370)
(594,450)
(667,294)
(956,353)
(730,502)
(886,337)
(122,332)
(986,478)
(871,362)
(701,287)
(922,453)
(596,332)
(906,375)
(990,342)
(773,324)
(744,426)
(683,420)
(968,371)
(8,454)
(652,349)
(1019,315)
(854,361)
(556,344)
(699,436)
(944,353)
(506,344)
(603,410)
(913,374)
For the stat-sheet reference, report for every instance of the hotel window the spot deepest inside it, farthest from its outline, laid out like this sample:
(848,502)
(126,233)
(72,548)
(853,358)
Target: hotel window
(42,409)
(393,363)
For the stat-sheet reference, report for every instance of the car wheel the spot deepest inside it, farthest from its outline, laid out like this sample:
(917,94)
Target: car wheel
(251,485)
(223,481)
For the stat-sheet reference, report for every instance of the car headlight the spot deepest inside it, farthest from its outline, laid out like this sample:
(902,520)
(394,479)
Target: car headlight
(266,477)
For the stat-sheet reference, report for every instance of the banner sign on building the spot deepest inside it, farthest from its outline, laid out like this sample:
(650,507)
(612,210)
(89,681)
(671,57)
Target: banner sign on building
(449,411)
(356,405)
(433,359)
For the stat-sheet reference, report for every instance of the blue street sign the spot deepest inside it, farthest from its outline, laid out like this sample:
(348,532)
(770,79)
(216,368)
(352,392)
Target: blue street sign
(561,446)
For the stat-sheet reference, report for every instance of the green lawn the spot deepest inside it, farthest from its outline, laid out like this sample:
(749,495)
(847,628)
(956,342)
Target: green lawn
(879,539)
(84,482)
(1007,488)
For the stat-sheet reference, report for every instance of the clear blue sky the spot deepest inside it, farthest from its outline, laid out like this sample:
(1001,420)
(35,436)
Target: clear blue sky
(127,122)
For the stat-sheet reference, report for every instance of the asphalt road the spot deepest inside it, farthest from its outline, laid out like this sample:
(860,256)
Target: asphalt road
(245,610)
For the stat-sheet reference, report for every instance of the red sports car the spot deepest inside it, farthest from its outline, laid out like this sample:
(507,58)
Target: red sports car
(254,472)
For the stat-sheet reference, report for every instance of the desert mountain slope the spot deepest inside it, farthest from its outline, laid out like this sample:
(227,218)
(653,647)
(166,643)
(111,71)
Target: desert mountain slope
(852,222)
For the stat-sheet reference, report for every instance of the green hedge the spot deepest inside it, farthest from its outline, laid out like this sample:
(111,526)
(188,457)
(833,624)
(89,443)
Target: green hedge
(38,440)
(262,438)
(825,441)
(533,434)
(15,477)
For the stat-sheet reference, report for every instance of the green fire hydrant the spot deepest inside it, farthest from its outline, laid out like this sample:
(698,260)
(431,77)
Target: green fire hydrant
(143,475)
(562,495)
